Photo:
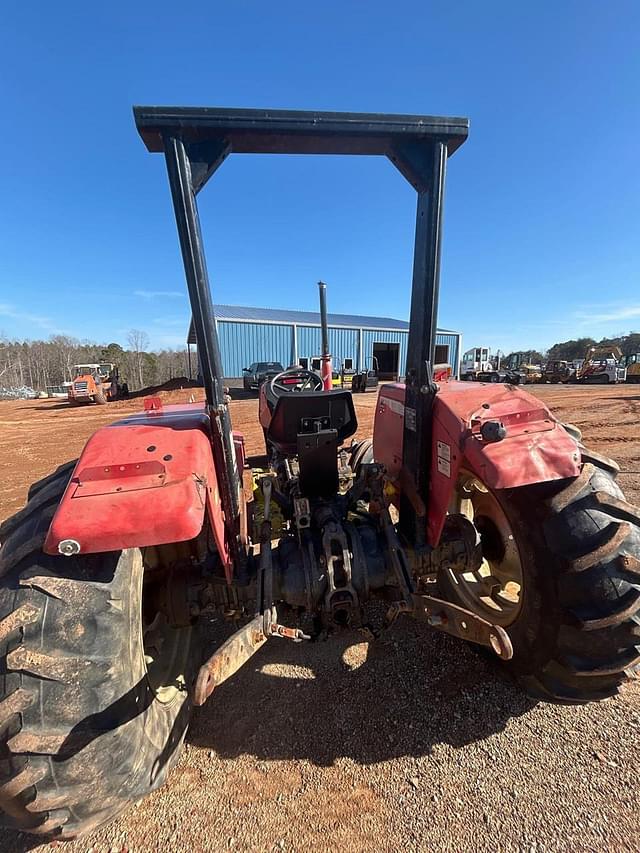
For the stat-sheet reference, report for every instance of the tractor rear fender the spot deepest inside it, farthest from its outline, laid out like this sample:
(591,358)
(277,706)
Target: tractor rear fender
(467,421)
(145,480)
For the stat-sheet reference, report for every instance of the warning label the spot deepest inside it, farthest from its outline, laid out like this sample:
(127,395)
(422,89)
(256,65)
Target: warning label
(444,458)
(444,451)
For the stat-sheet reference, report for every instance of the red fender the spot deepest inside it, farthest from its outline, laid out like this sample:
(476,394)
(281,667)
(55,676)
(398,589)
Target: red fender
(145,480)
(536,448)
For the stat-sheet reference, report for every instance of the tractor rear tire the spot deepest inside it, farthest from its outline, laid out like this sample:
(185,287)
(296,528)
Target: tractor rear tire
(91,716)
(360,453)
(576,636)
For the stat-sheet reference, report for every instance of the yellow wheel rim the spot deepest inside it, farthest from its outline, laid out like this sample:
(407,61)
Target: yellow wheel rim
(494,590)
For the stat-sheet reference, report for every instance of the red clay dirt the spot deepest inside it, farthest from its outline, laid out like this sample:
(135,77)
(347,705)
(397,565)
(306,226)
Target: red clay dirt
(411,743)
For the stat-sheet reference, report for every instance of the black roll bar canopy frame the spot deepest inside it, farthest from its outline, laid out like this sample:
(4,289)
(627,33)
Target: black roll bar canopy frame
(196,141)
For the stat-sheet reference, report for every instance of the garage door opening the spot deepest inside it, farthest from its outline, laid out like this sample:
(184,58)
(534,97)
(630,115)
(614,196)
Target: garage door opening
(387,357)
(442,354)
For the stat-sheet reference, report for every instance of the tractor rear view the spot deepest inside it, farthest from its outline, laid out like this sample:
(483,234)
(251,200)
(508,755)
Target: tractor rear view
(472,509)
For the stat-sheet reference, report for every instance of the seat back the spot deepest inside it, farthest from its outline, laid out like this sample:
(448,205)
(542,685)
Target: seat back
(299,413)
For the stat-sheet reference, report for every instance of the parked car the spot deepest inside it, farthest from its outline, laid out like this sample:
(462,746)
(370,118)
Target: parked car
(258,372)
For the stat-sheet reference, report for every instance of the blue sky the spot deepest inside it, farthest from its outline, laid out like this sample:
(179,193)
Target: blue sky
(541,239)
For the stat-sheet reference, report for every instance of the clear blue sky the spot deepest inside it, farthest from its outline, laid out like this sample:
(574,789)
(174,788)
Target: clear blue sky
(541,239)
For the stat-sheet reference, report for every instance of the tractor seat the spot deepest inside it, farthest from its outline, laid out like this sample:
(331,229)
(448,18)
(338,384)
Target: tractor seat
(305,412)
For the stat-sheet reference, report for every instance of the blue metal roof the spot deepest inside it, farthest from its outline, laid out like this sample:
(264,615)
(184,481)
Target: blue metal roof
(246,314)
(283,315)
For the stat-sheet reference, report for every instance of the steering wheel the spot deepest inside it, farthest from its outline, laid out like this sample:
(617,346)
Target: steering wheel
(295,379)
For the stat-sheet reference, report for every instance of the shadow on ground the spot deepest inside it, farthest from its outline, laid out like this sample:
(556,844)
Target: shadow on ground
(53,407)
(399,696)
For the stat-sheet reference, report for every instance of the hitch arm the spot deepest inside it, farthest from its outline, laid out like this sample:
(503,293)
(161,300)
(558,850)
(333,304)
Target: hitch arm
(228,659)
(463,624)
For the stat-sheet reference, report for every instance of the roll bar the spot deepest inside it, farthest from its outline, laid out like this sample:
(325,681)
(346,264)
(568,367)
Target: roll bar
(196,141)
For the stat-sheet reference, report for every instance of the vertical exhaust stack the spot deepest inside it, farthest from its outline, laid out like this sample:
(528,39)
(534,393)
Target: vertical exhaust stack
(326,369)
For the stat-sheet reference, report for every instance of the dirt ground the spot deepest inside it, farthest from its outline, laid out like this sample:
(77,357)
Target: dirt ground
(412,743)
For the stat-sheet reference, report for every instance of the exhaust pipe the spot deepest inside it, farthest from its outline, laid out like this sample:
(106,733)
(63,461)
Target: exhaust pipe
(326,369)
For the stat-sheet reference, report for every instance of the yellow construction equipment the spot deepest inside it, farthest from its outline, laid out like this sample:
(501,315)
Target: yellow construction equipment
(632,366)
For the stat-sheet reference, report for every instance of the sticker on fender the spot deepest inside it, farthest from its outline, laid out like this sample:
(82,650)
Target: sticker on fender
(444,458)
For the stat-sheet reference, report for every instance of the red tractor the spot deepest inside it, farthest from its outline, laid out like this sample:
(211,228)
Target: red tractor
(473,509)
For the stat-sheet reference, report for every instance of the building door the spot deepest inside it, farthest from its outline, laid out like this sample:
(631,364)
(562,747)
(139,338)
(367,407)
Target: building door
(442,354)
(387,359)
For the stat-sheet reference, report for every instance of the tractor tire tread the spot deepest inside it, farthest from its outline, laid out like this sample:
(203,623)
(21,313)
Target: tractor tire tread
(575,488)
(628,607)
(10,558)
(24,615)
(26,779)
(14,703)
(49,493)
(598,587)
(607,544)
(576,637)
(80,676)
(629,568)
(61,471)
(599,460)
(617,508)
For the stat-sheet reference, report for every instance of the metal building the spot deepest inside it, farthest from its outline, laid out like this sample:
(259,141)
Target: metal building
(248,335)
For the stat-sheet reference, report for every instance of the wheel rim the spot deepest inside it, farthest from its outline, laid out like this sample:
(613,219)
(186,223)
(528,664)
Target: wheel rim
(495,590)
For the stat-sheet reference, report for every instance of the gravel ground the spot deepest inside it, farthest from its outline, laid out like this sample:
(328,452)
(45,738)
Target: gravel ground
(415,742)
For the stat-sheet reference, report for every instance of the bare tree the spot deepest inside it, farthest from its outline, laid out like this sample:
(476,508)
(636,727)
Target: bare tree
(65,349)
(138,342)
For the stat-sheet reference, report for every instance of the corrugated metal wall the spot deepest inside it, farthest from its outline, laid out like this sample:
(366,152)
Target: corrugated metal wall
(244,343)
(343,343)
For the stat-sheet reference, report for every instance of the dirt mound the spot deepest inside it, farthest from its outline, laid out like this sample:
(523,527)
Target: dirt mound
(177,384)
(181,395)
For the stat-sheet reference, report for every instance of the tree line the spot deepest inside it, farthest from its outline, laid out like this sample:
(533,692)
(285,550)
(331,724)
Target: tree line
(570,350)
(577,347)
(42,364)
